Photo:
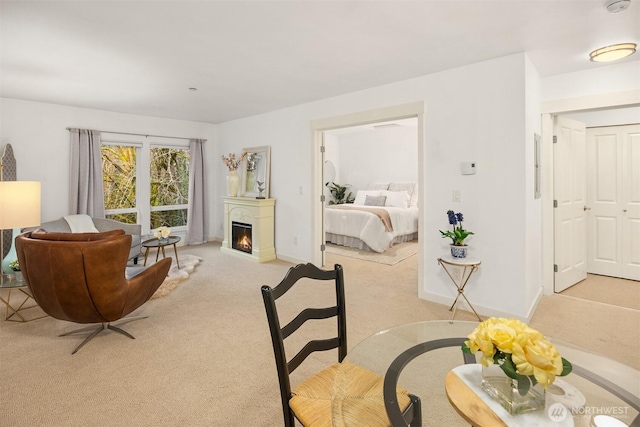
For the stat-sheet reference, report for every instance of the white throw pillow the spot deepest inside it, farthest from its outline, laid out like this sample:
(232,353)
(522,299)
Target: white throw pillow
(80,223)
(397,199)
(361,196)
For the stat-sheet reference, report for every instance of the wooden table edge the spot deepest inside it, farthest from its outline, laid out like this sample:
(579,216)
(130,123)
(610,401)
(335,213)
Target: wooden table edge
(468,404)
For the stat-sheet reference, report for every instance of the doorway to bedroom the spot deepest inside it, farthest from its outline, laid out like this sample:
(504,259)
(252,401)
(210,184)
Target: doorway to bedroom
(371,175)
(368,164)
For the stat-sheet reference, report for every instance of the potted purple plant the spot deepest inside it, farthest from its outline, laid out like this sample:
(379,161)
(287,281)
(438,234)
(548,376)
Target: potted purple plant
(457,235)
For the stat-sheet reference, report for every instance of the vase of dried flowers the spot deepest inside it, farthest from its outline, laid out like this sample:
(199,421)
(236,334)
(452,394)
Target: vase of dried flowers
(233,179)
(233,183)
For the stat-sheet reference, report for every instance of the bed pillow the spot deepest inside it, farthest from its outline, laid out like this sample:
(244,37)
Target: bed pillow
(375,200)
(377,186)
(361,195)
(410,187)
(396,199)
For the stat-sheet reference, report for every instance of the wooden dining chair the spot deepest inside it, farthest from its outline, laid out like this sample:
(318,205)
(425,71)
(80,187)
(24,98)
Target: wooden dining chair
(342,394)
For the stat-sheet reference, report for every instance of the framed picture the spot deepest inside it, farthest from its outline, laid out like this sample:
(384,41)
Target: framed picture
(256,167)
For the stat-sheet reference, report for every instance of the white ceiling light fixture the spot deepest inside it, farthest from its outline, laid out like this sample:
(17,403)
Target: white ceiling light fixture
(613,52)
(615,6)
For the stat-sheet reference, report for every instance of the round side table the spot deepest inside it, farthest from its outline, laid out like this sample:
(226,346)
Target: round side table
(469,266)
(157,243)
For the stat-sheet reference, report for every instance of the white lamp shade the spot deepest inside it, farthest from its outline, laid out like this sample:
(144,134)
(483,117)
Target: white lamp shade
(19,204)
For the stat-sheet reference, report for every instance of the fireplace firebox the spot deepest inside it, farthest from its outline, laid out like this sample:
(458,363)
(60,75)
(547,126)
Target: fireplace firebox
(241,236)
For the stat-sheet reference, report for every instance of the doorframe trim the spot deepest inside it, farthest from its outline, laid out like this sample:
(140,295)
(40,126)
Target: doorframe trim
(318,126)
(549,109)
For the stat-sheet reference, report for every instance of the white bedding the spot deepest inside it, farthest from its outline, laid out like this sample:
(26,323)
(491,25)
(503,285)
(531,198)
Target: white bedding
(369,228)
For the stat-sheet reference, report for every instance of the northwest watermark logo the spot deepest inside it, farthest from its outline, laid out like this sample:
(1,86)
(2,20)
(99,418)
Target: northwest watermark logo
(557,412)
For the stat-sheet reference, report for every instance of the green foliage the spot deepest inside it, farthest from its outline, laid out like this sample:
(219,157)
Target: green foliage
(339,193)
(169,176)
(169,185)
(169,168)
(567,367)
(119,176)
(457,236)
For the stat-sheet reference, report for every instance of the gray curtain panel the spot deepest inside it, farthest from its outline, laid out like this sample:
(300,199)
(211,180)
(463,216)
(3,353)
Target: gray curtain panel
(197,217)
(86,192)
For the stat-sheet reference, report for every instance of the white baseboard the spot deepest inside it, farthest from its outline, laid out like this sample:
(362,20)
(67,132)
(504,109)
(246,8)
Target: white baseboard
(483,311)
(292,260)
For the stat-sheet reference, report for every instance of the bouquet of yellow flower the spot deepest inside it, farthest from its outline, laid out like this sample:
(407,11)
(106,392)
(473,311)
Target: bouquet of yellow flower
(523,353)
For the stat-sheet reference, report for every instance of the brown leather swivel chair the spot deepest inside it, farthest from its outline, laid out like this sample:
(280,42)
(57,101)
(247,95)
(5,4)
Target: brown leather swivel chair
(82,278)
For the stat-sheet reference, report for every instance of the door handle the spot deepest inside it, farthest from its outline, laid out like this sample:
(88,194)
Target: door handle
(586,208)
(624,210)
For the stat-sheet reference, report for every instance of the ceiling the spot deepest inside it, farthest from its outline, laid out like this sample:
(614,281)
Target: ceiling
(251,57)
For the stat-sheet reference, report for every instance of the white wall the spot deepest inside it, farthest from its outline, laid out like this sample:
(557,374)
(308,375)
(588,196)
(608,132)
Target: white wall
(609,117)
(533,206)
(37,132)
(374,156)
(473,113)
(601,80)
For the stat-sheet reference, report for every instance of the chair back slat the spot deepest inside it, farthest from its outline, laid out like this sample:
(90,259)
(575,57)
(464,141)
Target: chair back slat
(308,314)
(301,271)
(310,347)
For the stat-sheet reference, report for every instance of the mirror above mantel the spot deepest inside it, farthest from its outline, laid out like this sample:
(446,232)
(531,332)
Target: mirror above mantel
(256,167)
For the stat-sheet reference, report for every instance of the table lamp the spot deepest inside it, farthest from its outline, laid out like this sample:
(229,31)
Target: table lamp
(19,207)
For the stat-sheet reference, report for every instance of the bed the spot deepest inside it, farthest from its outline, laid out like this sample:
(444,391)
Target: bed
(378,218)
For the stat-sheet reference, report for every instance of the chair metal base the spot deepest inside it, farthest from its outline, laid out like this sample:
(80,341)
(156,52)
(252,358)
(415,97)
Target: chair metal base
(103,326)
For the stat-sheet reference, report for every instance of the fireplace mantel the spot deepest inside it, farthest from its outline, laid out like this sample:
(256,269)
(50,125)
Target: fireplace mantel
(259,213)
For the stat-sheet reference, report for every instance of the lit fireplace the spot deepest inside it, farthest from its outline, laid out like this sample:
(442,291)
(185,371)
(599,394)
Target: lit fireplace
(241,236)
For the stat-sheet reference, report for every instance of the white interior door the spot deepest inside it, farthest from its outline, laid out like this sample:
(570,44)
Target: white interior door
(631,204)
(570,225)
(613,159)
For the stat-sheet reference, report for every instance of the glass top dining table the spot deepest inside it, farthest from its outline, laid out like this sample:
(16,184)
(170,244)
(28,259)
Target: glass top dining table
(598,386)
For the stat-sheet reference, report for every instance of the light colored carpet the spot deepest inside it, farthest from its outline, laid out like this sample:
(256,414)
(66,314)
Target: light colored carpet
(608,290)
(391,256)
(204,355)
(176,275)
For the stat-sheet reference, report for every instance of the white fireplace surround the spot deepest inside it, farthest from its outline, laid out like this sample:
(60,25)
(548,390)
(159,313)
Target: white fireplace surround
(259,213)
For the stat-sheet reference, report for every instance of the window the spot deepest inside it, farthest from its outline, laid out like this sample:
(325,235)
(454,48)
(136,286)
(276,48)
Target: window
(169,186)
(146,181)
(119,179)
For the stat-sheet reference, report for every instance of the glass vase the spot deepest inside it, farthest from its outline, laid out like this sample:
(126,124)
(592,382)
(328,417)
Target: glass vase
(19,277)
(251,182)
(505,391)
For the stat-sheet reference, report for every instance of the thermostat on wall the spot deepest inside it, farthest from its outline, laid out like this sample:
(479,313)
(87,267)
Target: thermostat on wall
(468,168)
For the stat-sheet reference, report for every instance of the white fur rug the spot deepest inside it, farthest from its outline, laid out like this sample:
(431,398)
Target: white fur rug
(176,275)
